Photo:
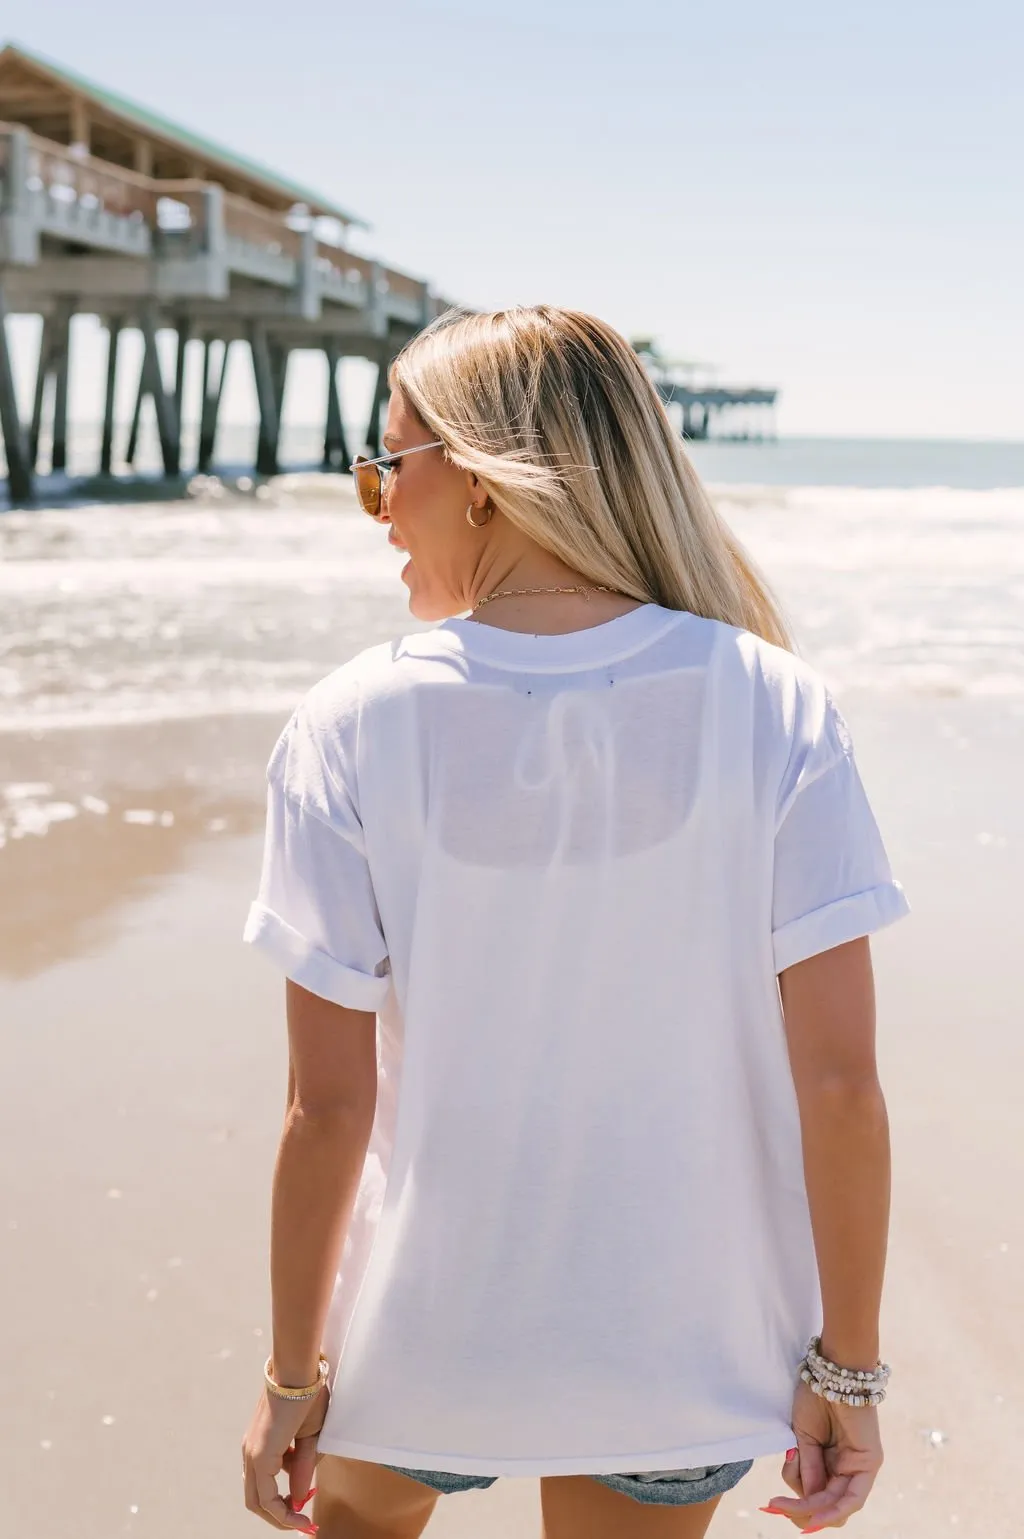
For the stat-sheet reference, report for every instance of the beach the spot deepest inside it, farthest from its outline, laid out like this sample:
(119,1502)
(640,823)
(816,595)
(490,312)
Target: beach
(151,657)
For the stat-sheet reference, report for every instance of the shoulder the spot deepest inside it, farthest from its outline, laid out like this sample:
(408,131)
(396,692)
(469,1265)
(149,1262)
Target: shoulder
(747,663)
(789,704)
(318,747)
(334,702)
(798,690)
(371,678)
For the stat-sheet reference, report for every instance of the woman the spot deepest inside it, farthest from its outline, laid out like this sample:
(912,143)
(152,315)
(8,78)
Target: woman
(573,897)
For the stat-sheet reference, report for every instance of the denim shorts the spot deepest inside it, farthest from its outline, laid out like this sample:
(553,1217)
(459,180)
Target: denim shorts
(668,1488)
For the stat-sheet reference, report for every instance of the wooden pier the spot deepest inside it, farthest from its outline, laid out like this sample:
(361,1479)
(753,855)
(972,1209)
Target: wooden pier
(107,209)
(710,410)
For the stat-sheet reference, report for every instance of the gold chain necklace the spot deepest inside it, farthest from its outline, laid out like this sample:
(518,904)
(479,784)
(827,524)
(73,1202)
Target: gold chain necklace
(531,592)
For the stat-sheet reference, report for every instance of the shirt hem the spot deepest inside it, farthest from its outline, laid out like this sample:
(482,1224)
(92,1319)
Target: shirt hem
(726,1451)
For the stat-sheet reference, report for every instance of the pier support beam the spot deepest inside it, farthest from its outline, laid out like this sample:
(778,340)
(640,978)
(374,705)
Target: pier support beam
(268,397)
(336,454)
(279,356)
(213,390)
(19,466)
(107,446)
(54,345)
(380,395)
(151,383)
(38,401)
(62,345)
(132,448)
(184,337)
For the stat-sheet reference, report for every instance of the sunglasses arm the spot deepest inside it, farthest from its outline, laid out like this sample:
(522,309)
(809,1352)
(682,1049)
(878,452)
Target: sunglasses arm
(385,459)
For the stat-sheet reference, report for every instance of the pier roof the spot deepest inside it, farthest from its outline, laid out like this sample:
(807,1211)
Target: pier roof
(62,106)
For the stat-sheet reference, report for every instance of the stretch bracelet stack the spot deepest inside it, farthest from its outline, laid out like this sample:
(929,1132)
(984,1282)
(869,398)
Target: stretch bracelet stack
(844,1386)
(308,1392)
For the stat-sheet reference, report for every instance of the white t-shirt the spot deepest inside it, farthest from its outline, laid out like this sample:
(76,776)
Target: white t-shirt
(565,871)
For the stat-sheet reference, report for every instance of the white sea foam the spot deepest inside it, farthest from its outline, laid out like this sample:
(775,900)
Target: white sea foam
(27,817)
(138,614)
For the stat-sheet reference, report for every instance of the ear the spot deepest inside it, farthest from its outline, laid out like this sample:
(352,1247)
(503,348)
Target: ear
(476,494)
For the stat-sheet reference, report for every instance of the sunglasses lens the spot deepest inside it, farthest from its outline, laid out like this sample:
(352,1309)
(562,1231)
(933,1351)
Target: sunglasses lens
(367,479)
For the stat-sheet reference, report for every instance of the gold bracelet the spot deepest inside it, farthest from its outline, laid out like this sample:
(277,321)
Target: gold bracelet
(308,1393)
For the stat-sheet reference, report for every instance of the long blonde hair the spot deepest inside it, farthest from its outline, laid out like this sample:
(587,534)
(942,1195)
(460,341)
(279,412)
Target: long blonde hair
(554,413)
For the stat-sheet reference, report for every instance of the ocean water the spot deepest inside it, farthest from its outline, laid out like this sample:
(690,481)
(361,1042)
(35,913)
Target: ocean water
(234,603)
(969,465)
(878,463)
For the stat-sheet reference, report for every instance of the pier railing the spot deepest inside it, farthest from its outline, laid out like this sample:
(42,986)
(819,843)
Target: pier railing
(260,227)
(181,208)
(78,197)
(66,177)
(190,257)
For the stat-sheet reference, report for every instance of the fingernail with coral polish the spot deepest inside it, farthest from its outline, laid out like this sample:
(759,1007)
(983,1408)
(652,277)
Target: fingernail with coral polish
(790,1455)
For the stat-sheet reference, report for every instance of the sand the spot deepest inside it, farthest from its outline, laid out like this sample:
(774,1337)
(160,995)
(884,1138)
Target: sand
(146,1067)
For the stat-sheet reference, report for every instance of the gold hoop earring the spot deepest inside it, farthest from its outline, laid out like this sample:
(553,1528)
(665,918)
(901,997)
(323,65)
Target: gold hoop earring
(472,521)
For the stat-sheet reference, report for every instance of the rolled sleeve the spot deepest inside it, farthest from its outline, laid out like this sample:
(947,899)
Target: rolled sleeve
(832,881)
(844,920)
(314,969)
(315,915)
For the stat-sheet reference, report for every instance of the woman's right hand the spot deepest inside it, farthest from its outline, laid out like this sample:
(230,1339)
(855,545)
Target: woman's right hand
(839,1454)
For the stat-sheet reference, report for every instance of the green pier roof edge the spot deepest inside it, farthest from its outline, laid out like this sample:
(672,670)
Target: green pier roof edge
(123,107)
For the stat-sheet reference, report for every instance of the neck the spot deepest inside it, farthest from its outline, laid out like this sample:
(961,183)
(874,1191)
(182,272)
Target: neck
(544,613)
(539,616)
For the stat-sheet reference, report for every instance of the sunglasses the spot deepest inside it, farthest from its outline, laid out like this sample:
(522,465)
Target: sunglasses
(371,476)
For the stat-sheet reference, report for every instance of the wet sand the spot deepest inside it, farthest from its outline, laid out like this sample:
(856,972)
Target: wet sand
(146,1072)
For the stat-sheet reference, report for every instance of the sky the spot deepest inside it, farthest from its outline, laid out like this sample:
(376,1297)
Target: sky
(824,197)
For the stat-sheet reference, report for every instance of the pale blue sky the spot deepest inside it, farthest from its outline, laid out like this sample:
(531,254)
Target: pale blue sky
(823,196)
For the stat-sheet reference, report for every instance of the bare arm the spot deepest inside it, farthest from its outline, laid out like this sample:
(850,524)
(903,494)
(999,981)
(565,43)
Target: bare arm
(331,1103)
(829,1007)
(332,1094)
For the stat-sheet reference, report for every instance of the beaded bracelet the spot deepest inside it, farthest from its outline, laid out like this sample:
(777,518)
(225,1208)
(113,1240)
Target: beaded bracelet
(309,1392)
(843,1386)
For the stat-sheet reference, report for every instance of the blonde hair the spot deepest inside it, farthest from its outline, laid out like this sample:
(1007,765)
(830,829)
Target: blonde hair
(554,413)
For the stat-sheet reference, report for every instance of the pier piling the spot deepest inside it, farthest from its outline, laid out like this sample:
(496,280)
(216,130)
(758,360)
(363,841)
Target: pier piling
(336,451)
(213,389)
(107,445)
(62,346)
(380,395)
(151,383)
(266,397)
(19,468)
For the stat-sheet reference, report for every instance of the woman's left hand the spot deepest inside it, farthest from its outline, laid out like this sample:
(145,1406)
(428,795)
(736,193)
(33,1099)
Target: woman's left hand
(282,1436)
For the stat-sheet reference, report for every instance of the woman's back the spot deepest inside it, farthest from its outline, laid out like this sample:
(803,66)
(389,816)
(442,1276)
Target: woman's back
(551,886)
(583,1209)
